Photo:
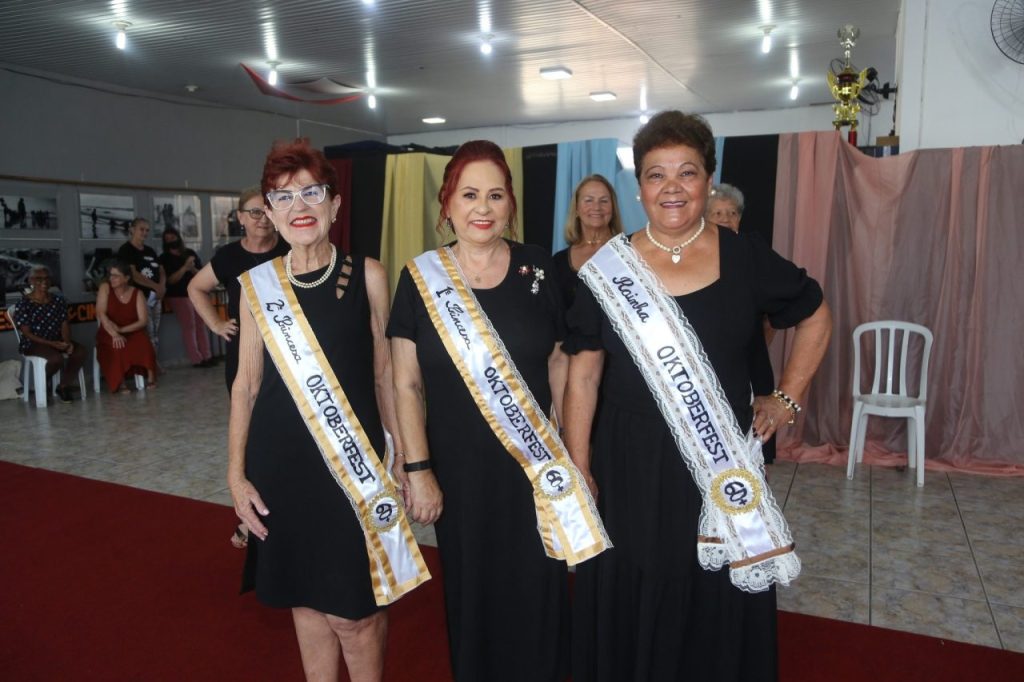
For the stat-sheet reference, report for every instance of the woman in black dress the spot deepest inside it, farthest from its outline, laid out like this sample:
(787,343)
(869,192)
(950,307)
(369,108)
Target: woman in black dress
(593,219)
(646,609)
(307,550)
(506,602)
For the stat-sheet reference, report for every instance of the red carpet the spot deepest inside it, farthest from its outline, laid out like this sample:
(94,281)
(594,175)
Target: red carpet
(104,582)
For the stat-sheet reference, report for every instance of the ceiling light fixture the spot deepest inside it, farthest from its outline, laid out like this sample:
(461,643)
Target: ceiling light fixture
(371,101)
(485,45)
(603,96)
(644,118)
(368,3)
(433,120)
(794,91)
(122,37)
(766,41)
(272,76)
(191,88)
(555,73)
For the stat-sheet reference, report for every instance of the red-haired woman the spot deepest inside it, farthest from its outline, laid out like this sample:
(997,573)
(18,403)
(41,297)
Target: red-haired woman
(307,549)
(506,600)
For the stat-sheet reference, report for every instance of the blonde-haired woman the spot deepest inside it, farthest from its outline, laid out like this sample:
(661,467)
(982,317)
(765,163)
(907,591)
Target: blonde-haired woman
(593,219)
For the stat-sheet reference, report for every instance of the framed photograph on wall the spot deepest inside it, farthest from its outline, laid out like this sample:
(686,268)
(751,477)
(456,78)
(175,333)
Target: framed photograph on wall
(226,226)
(180,211)
(105,216)
(16,265)
(23,212)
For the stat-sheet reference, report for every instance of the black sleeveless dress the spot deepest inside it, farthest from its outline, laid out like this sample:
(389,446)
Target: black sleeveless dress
(506,601)
(314,555)
(645,610)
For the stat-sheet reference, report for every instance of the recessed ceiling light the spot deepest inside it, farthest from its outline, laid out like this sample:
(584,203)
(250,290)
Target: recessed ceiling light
(433,120)
(371,101)
(122,38)
(191,88)
(555,73)
(603,96)
(485,45)
(794,91)
(766,41)
(272,76)
(644,118)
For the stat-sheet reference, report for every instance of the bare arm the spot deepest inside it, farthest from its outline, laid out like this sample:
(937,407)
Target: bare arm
(246,499)
(809,345)
(558,373)
(380,306)
(142,280)
(102,297)
(199,290)
(423,498)
(585,370)
(176,276)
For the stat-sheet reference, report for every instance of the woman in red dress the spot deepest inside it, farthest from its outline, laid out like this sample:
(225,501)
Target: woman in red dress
(123,348)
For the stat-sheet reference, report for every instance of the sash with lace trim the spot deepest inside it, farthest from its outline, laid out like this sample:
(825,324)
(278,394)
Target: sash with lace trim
(567,520)
(396,565)
(740,522)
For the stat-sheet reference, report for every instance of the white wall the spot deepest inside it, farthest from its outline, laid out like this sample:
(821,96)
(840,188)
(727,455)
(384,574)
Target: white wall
(767,122)
(81,132)
(956,88)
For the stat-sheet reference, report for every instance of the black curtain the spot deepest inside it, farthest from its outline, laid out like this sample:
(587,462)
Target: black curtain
(751,163)
(537,205)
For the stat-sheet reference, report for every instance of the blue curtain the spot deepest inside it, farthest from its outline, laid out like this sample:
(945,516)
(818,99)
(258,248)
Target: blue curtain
(577,160)
(627,191)
(719,151)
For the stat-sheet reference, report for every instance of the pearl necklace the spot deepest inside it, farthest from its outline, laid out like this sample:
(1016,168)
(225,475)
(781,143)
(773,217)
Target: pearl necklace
(676,251)
(320,280)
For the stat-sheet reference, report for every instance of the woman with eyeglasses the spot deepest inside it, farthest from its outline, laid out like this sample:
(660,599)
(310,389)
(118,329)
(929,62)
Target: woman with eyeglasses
(259,244)
(306,439)
(42,321)
(123,347)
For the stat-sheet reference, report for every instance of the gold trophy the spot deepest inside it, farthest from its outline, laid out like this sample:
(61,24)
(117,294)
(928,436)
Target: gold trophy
(847,84)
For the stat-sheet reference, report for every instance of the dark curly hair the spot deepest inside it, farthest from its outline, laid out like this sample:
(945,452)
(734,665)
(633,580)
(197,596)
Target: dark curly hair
(670,128)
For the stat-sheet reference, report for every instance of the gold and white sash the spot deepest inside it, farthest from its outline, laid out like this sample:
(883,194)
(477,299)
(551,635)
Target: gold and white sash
(396,565)
(567,520)
(740,523)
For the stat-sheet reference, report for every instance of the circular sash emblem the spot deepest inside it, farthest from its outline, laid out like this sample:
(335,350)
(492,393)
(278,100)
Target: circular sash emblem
(736,491)
(383,511)
(556,480)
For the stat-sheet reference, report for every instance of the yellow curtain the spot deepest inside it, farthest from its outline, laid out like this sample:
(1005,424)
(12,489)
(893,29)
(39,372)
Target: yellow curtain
(514,159)
(411,184)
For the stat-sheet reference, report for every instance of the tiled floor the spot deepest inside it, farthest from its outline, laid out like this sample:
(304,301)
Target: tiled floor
(943,560)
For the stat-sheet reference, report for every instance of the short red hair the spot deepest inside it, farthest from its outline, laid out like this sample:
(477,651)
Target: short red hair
(288,158)
(467,153)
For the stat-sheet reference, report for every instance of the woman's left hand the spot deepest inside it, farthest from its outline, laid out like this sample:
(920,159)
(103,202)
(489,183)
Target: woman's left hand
(769,415)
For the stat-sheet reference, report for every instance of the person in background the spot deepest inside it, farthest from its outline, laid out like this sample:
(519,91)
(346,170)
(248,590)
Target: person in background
(42,321)
(593,219)
(725,208)
(181,265)
(147,274)
(123,348)
(260,243)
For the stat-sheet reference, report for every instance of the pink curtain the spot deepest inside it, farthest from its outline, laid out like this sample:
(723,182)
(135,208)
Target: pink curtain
(935,237)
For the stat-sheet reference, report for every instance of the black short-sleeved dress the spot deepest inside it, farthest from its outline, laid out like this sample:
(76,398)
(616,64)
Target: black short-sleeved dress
(314,555)
(565,276)
(507,605)
(646,610)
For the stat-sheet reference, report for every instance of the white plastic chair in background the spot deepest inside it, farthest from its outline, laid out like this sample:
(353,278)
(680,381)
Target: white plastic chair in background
(33,371)
(890,395)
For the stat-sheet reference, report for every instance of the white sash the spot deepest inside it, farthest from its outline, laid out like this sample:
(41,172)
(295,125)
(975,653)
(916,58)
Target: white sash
(396,565)
(569,525)
(740,523)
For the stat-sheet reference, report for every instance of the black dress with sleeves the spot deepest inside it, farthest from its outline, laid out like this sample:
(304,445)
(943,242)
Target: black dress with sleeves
(506,601)
(646,610)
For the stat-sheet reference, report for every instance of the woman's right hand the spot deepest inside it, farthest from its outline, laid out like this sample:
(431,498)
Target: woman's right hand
(118,340)
(424,498)
(249,507)
(588,478)
(226,329)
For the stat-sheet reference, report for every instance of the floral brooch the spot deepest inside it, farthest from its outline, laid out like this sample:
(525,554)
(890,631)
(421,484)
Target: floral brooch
(538,275)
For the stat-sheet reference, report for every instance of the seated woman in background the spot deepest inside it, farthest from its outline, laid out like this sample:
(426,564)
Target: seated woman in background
(123,348)
(181,265)
(593,219)
(42,321)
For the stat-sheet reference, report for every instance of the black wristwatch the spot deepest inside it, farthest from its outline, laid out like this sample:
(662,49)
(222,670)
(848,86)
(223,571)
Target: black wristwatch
(421,465)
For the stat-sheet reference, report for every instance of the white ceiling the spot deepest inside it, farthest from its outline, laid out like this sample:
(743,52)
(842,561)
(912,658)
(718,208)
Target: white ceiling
(697,55)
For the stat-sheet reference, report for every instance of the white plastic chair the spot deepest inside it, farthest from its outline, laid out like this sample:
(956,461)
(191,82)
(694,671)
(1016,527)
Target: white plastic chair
(33,371)
(890,395)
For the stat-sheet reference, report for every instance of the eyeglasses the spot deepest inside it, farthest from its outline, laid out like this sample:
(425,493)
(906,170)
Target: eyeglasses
(311,195)
(255,213)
